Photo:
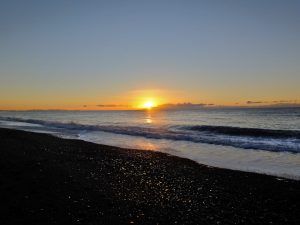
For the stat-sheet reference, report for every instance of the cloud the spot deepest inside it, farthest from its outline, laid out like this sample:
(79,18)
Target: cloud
(273,102)
(252,102)
(285,101)
(276,103)
(186,105)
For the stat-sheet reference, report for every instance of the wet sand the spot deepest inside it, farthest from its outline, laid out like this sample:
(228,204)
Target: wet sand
(48,180)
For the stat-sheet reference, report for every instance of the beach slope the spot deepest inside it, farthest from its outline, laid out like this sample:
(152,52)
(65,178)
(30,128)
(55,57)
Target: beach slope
(48,180)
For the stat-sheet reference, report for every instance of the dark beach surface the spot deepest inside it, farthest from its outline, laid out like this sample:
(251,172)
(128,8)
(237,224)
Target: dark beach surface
(48,180)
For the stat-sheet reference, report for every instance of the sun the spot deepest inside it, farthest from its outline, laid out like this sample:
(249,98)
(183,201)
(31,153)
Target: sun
(149,104)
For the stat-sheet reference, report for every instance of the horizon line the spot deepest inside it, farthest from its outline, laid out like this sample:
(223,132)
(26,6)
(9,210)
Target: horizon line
(165,108)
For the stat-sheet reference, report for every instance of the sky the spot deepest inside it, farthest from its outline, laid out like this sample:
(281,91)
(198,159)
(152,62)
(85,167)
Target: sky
(91,54)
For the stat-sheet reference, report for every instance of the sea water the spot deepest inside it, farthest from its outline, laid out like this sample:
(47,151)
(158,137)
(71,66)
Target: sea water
(263,140)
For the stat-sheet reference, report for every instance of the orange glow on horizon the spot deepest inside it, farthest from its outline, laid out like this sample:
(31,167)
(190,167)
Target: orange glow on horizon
(149,104)
(141,99)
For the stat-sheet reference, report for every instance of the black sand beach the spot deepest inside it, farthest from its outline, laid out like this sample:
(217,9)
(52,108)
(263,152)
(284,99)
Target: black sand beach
(48,180)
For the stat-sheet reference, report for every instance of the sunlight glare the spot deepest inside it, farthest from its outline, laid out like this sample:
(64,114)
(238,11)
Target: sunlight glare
(149,104)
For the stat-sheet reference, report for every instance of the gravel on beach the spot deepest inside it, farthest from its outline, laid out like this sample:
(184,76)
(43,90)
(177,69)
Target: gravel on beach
(49,180)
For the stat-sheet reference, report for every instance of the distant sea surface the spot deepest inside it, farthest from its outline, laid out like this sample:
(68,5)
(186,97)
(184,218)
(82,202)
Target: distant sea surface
(263,140)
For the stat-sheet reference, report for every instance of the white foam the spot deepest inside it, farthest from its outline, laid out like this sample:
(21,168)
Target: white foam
(282,164)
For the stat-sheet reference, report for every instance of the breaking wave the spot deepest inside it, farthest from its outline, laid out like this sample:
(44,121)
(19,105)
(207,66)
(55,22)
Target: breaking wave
(249,132)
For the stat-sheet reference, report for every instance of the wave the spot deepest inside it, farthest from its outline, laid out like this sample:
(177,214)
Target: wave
(249,132)
(246,138)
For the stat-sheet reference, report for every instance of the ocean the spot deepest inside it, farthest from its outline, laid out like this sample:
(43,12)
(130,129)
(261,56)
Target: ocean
(262,140)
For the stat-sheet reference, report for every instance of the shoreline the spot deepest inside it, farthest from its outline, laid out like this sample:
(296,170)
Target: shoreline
(283,173)
(50,180)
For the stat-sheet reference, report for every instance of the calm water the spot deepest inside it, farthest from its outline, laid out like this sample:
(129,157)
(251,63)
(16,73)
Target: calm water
(258,140)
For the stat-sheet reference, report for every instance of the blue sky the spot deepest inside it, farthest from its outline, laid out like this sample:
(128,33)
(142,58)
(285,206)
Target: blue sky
(77,52)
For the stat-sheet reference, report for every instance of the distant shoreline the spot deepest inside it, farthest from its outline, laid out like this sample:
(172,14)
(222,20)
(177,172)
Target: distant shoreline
(48,180)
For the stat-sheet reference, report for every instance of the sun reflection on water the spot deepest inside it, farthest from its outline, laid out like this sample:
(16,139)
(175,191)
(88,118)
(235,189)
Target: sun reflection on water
(146,145)
(148,118)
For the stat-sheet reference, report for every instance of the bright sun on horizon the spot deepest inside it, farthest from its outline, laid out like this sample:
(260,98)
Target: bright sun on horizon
(149,104)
